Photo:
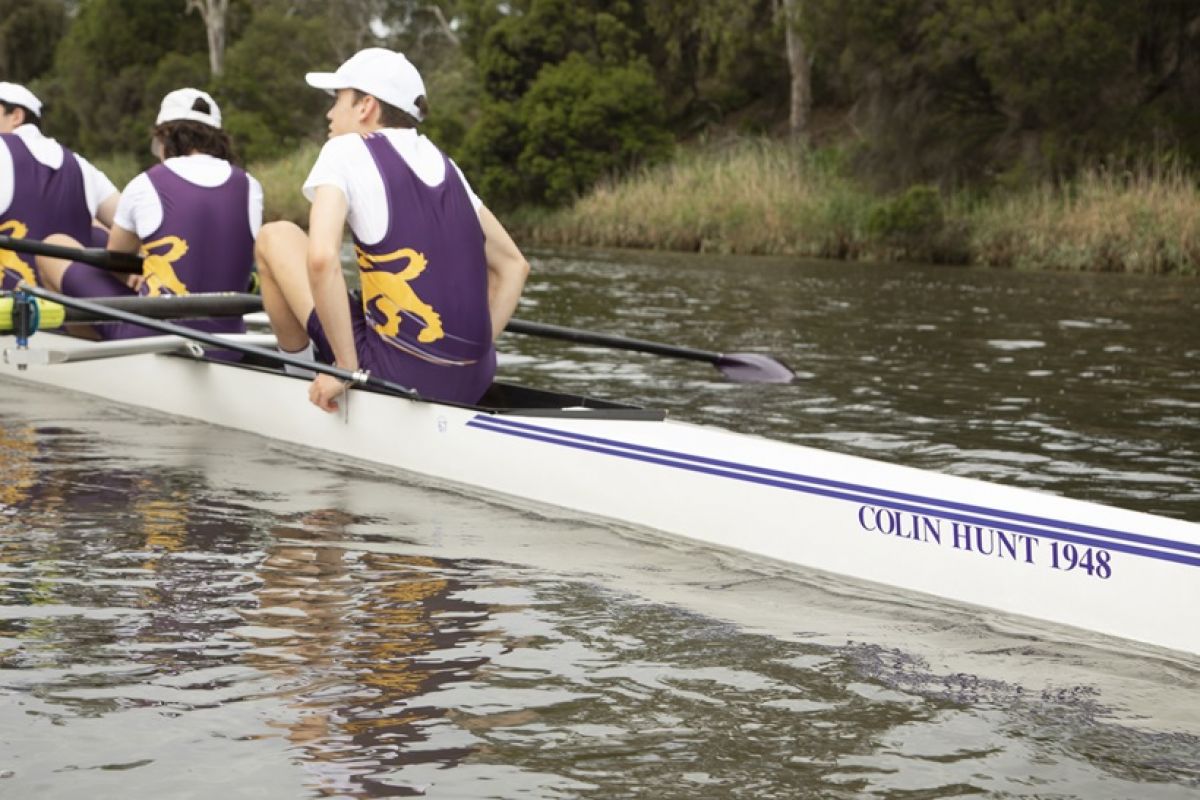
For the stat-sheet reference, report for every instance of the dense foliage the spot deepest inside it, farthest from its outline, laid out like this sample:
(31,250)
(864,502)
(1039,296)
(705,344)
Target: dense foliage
(540,99)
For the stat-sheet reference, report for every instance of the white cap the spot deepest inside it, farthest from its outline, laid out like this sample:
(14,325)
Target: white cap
(181,104)
(17,95)
(384,74)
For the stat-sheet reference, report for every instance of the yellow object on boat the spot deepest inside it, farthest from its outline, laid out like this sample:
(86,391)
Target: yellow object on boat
(51,315)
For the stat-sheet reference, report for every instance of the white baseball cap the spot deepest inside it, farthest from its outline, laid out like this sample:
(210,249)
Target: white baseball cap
(181,104)
(384,74)
(17,95)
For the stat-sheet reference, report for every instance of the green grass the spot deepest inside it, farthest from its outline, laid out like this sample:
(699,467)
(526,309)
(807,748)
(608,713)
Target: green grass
(120,168)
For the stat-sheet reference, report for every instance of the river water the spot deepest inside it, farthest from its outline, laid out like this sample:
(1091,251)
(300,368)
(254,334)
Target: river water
(189,612)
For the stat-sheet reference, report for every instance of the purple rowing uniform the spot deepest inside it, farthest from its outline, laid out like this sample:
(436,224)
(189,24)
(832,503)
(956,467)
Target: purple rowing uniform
(424,320)
(45,201)
(203,244)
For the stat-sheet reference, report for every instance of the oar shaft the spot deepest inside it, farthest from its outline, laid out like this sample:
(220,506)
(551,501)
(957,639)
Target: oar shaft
(110,260)
(192,306)
(607,340)
(213,341)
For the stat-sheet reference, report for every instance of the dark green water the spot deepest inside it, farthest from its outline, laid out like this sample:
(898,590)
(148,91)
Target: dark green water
(190,612)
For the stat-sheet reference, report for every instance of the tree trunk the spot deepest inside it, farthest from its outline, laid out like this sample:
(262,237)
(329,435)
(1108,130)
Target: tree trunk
(798,66)
(213,13)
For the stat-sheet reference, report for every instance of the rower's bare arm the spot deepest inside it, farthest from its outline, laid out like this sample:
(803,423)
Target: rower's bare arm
(326,221)
(124,241)
(107,210)
(507,271)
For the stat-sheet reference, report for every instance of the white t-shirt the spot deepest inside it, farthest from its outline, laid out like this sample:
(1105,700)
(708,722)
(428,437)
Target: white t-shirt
(345,162)
(96,186)
(140,209)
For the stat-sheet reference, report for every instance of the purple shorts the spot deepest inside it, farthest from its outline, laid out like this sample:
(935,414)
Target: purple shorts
(457,384)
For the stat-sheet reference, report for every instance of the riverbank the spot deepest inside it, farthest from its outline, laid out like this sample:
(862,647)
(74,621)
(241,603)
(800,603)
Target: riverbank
(760,197)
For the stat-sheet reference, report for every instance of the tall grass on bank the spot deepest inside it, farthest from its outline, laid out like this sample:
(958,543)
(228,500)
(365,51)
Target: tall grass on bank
(755,197)
(281,180)
(1147,220)
(764,197)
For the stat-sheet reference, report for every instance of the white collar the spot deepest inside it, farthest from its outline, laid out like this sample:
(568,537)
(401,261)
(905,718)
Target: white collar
(43,148)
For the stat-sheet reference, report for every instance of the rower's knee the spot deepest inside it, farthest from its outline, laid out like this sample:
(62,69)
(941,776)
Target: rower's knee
(278,244)
(50,270)
(62,239)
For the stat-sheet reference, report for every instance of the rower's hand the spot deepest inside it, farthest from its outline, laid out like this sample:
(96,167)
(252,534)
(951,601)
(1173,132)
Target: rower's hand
(135,281)
(324,392)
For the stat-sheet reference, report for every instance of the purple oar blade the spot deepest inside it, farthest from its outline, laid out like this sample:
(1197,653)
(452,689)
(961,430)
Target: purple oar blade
(753,368)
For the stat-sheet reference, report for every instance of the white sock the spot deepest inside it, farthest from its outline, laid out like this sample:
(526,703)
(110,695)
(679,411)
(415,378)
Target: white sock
(309,353)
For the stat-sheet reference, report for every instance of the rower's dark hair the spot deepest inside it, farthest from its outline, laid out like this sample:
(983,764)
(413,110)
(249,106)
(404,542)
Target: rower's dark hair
(392,117)
(30,117)
(182,137)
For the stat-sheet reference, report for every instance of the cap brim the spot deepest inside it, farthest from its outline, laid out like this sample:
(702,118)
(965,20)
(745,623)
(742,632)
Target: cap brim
(329,81)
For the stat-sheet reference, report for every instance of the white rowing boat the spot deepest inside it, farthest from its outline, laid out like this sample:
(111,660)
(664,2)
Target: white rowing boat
(1106,570)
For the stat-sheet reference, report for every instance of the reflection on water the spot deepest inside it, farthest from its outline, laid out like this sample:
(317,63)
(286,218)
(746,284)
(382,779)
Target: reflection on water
(188,612)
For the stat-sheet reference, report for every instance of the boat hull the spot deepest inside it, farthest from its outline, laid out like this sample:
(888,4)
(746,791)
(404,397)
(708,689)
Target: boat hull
(1111,571)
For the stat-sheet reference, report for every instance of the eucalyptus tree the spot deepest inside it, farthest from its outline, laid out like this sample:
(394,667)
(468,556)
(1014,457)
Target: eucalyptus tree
(213,12)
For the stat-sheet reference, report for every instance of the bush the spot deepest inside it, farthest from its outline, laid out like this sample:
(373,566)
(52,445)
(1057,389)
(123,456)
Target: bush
(577,123)
(917,212)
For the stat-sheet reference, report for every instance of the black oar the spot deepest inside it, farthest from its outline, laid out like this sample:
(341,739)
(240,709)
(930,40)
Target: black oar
(214,341)
(742,367)
(110,260)
(192,306)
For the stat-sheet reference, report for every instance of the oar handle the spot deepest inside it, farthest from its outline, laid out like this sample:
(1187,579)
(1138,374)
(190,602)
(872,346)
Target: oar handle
(607,340)
(111,260)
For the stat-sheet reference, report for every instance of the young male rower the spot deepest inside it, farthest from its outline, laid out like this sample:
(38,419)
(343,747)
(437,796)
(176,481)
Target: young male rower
(44,187)
(440,275)
(194,217)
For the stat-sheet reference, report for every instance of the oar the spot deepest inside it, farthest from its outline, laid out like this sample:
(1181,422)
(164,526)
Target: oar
(111,260)
(214,341)
(741,367)
(191,306)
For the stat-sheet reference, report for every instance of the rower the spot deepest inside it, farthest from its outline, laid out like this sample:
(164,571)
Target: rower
(440,275)
(44,187)
(193,217)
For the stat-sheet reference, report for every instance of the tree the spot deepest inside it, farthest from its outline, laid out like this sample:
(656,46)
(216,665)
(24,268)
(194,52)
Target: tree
(569,98)
(213,12)
(1009,91)
(268,106)
(29,31)
(800,105)
(96,94)
(717,61)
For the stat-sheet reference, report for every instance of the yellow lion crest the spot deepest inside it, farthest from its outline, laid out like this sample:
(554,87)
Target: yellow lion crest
(391,294)
(156,266)
(10,263)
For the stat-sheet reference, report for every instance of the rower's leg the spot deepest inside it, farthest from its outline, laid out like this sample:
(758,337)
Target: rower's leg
(51,270)
(282,255)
